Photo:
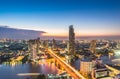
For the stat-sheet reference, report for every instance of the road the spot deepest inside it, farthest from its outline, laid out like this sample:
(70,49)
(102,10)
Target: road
(74,73)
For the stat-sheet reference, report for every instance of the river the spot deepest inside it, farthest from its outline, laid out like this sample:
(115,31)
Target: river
(10,71)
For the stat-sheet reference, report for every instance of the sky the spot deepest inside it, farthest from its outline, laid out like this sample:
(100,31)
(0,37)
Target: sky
(89,17)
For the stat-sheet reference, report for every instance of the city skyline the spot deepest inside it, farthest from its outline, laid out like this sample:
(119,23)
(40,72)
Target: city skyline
(90,18)
(13,33)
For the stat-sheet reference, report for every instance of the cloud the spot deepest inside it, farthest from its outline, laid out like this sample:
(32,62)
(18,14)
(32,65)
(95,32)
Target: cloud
(13,33)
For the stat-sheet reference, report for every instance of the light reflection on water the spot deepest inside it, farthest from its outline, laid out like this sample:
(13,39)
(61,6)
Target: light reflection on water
(9,71)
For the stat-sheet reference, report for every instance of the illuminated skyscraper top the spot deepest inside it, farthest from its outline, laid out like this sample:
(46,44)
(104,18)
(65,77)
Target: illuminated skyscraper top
(71,40)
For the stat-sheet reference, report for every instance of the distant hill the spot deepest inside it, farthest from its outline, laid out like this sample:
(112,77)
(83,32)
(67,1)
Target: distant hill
(13,33)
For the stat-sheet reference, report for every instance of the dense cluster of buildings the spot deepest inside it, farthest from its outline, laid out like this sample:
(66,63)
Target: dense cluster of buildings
(88,51)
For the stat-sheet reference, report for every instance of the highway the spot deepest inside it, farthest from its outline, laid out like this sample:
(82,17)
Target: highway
(73,72)
(116,71)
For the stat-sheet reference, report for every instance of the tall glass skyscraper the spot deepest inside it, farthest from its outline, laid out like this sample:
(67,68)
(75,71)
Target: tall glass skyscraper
(71,40)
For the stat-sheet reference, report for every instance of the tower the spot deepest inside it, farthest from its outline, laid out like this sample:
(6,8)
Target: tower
(54,44)
(37,41)
(32,49)
(93,46)
(71,40)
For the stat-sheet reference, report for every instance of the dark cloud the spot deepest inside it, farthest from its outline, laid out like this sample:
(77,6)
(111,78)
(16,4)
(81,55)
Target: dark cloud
(7,32)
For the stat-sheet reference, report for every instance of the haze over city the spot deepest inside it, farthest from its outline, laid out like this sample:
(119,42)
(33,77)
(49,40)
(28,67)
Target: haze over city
(90,18)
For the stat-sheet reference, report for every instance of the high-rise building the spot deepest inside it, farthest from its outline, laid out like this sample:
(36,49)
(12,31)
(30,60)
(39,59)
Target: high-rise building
(93,46)
(37,41)
(71,40)
(54,44)
(33,49)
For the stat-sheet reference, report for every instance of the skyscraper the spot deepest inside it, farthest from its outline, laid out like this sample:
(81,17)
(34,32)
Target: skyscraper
(32,49)
(37,41)
(71,40)
(93,46)
(54,44)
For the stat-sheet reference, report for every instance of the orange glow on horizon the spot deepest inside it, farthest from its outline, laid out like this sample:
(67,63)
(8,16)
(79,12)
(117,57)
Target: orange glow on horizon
(76,34)
(55,34)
